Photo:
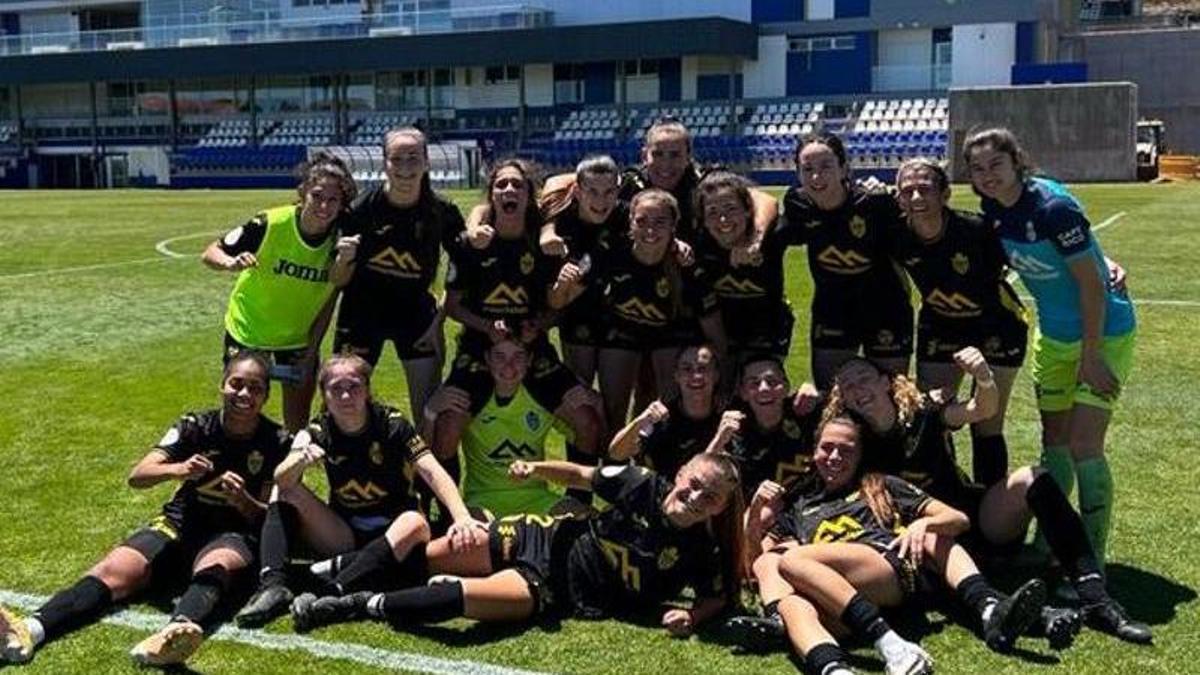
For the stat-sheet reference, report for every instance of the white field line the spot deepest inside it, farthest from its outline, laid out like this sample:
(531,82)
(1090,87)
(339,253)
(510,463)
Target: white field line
(341,651)
(163,248)
(1111,220)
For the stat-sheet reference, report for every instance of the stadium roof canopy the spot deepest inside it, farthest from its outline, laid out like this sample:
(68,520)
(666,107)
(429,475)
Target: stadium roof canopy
(567,44)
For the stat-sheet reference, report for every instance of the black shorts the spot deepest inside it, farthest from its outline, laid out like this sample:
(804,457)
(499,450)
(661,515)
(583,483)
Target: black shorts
(884,330)
(579,332)
(548,380)
(770,334)
(362,328)
(1003,341)
(284,362)
(172,552)
(525,543)
(675,335)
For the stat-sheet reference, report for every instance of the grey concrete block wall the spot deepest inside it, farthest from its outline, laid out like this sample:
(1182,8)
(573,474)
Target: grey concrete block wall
(1076,132)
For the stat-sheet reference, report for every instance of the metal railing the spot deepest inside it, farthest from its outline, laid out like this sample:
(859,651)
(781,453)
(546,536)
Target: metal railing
(494,17)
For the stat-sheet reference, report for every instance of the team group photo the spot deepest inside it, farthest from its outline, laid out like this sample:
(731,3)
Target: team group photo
(711,364)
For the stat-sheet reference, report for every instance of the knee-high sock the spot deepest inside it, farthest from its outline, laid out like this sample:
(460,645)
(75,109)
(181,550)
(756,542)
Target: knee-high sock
(1066,537)
(375,565)
(280,523)
(423,604)
(203,594)
(74,607)
(1096,502)
(1057,461)
(978,595)
(989,458)
(824,657)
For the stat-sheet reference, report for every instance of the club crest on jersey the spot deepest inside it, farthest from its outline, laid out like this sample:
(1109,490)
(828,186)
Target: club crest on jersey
(858,227)
(662,287)
(960,263)
(791,429)
(527,263)
(254,462)
(532,420)
(398,263)
(668,558)
(1030,232)
(376,453)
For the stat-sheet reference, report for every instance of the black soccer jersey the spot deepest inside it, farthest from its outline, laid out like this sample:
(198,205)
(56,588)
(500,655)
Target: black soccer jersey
(400,249)
(370,473)
(842,517)
(960,275)
(751,297)
(632,553)
(922,453)
(782,454)
(847,247)
(506,280)
(634,180)
(672,442)
(585,245)
(643,300)
(201,505)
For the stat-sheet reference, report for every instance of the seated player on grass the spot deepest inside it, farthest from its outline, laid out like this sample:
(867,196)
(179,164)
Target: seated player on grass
(224,459)
(370,453)
(656,538)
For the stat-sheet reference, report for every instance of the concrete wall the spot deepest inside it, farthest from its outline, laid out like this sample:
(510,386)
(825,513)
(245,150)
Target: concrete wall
(767,77)
(1163,63)
(1077,132)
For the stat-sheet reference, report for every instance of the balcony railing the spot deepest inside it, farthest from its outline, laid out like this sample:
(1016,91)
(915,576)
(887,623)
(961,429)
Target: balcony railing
(911,78)
(495,17)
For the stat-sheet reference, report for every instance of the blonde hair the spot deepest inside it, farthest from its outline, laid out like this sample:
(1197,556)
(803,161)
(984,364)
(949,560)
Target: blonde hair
(905,395)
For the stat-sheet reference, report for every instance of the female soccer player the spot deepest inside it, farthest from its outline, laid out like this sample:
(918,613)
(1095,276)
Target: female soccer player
(864,541)
(652,306)
(910,437)
(224,459)
(1083,349)
(860,300)
(580,220)
(754,309)
(958,266)
(510,427)
(287,271)
(681,424)
(652,542)
(370,453)
(402,226)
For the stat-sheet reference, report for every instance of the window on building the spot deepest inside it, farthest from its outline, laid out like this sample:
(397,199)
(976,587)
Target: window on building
(641,67)
(501,74)
(823,44)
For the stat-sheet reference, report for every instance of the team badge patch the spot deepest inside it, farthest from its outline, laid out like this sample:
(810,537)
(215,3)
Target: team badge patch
(662,287)
(960,263)
(527,263)
(376,454)
(254,462)
(668,558)
(532,420)
(858,227)
(170,438)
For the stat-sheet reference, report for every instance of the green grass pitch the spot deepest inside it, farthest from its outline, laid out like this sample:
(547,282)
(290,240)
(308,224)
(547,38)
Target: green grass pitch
(106,341)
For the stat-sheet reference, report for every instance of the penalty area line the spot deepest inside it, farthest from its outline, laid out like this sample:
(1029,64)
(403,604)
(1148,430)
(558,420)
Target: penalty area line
(341,651)
(164,246)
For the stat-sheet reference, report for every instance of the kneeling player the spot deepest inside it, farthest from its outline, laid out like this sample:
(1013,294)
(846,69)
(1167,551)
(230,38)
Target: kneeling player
(224,459)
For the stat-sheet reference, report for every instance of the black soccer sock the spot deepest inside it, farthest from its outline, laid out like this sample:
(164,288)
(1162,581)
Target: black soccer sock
(281,521)
(419,605)
(574,454)
(1066,537)
(373,561)
(989,458)
(203,594)
(74,607)
(824,657)
(976,593)
(862,618)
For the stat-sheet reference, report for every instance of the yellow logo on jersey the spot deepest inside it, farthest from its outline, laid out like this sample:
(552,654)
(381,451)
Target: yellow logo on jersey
(375,453)
(507,296)
(662,287)
(960,263)
(842,528)
(211,492)
(734,288)
(788,472)
(527,263)
(401,264)
(417,445)
(858,227)
(354,494)
(640,312)
(843,262)
(952,304)
(254,462)
(668,558)
(618,558)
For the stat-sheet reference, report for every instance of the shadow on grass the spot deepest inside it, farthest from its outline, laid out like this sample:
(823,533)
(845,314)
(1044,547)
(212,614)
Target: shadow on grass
(480,633)
(1147,596)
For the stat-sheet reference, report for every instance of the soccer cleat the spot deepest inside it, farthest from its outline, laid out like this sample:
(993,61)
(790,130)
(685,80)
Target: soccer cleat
(1014,615)
(16,644)
(757,633)
(309,611)
(907,659)
(171,646)
(1059,626)
(267,604)
(1110,617)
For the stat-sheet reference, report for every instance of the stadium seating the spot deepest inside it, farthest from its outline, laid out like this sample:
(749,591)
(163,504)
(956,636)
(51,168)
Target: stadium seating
(886,132)
(234,133)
